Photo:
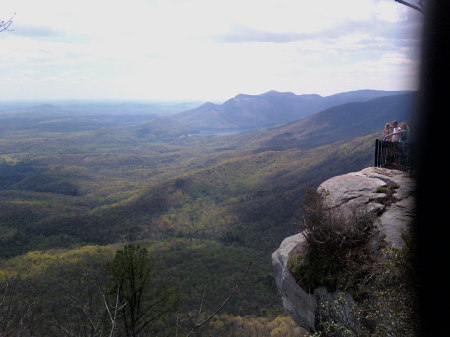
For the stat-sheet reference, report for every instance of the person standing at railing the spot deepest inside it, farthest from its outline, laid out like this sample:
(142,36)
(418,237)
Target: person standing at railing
(399,134)
(395,135)
(401,160)
(387,131)
(404,131)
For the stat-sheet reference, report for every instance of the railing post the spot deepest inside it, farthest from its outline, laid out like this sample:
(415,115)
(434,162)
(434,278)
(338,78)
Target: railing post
(377,152)
(393,155)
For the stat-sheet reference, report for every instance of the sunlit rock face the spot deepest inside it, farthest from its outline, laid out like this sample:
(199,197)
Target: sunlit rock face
(387,194)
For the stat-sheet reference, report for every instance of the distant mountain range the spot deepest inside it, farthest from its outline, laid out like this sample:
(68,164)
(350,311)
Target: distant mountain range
(340,122)
(250,112)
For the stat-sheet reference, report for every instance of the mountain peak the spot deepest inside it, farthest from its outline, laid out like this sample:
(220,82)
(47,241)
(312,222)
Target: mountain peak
(272,93)
(207,105)
(242,96)
(277,93)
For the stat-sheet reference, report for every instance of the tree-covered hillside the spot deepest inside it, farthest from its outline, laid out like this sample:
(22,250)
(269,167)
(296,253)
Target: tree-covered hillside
(73,191)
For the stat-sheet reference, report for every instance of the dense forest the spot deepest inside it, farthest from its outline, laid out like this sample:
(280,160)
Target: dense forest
(76,188)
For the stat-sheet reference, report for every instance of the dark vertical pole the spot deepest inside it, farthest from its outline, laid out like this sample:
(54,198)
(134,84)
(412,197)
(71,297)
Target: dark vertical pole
(432,191)
(377,142)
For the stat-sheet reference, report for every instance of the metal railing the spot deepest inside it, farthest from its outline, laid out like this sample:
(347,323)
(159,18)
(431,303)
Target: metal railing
(393,155)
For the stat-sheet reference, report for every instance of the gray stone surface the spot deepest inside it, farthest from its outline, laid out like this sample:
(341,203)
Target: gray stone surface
(355,190)
(360,190)
(298,304)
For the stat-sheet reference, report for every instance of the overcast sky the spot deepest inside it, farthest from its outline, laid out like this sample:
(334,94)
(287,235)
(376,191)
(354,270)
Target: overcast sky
(207,50)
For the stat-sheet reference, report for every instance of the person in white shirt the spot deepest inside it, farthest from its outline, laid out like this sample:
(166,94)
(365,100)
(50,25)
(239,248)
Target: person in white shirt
(395,132)
(402,133)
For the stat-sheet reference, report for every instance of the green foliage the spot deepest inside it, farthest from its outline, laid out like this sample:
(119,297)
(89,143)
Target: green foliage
(146,306)
(196,265)
(388,190)
(71,189)
(65,200)
(66,282)
(63,289)
(250,326)
(35,263)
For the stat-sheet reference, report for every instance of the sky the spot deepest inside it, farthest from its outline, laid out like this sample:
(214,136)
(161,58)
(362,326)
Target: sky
(209,50)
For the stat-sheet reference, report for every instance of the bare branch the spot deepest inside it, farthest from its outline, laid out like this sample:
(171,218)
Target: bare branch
(68,332)
(113,317)
(201,305)
(197,325)
(14,314)
(5,292)
(4,25)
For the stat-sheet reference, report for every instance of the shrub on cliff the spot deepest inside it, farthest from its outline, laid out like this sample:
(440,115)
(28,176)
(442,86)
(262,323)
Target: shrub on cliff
(344,253)
(339,247)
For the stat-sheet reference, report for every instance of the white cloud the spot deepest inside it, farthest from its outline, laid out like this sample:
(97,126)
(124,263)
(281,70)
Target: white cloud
(203,49)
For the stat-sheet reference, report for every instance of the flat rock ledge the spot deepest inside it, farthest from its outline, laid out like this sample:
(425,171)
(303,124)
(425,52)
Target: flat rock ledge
(388,194)
(362,190)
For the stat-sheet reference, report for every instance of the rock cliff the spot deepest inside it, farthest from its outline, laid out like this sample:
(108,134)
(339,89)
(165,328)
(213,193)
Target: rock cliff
(387,194)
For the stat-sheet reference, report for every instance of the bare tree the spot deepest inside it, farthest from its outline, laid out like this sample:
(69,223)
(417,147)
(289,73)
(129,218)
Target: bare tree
(146,304)
(198,323)
(4,25)
(93,317)
(15,312)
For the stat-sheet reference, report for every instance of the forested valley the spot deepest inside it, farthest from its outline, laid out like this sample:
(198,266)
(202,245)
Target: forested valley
(204,211)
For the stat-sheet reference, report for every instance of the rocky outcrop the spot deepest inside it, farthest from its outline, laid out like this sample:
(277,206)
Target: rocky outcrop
(388,194)
(298,303)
